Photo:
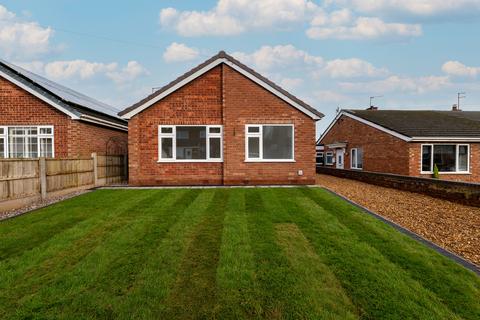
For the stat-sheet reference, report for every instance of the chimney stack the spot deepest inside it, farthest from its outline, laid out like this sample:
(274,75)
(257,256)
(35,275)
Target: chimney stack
(455,108)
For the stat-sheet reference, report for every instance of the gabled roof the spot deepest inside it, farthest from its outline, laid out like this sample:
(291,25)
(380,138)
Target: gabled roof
(209,64)
(76,105)
(419,125)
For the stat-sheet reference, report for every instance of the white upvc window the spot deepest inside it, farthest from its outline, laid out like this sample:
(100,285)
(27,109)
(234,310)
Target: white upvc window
(269,143)
(190,143)
(3,142)
(449,158)
(329,158)
(320,158)
(356,158)
(26,142)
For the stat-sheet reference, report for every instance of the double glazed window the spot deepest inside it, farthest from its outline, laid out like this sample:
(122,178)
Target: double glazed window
(320,158)
(356,158)
(447,157)
(26,142)
(190,143)
(272,142)
(329,158)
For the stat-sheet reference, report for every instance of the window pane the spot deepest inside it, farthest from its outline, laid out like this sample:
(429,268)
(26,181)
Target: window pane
(191,143)
(427,158)
(215,130)
(254,147)
(329,158)
(462,158)
(360,158)
(444,157)
(166,130)
(2,148)
(45,130)
(46,147)
(167,148)
(320,158)
(2,131)
(253,129)
(32,147)
(215,148)
(277,142)
(354,158)
(16,147)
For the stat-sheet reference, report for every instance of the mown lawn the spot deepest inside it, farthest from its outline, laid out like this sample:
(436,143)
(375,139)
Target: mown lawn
(286,253)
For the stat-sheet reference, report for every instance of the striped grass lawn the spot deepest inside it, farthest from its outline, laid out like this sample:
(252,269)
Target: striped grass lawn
(267,253)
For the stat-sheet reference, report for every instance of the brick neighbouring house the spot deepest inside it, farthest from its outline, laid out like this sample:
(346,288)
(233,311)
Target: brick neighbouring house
(39,117)
(193,130)
(404,142)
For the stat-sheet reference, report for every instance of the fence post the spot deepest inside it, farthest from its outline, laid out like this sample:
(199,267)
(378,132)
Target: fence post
(43,177)
(95,168)
(125,167)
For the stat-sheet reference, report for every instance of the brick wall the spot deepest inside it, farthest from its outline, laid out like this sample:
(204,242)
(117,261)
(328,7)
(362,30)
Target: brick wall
(382,152)
(72,138)
(461,192)
(198,102)
(248,103)
(220,96)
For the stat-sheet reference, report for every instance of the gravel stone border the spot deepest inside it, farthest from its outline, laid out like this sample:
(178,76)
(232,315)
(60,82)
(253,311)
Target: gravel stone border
(465,263)
(4,215)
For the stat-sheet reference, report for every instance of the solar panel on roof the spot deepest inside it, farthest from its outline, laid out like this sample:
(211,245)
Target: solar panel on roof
(65,93)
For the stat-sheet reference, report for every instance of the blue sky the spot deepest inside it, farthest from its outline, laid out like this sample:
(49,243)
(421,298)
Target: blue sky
(416,54)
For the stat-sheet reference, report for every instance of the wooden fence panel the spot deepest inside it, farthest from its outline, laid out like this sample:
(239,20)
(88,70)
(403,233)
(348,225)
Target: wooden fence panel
(18,178)
(69,173)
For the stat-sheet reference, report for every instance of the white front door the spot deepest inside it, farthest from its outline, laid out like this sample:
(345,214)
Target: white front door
(339,157)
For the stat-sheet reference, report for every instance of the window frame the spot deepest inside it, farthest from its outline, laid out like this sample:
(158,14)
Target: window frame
(173,136)
(320,154)
(329,153)
(260,136)
(356,167)
(457,148)
(39,136)
(4,137)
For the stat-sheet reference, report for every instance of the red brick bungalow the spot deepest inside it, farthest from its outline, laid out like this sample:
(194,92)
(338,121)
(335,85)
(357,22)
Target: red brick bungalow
(221,123)
(40,118)
(404,142)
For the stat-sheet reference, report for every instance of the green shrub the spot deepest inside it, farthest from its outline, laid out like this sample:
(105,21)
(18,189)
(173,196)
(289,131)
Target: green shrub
(435,172)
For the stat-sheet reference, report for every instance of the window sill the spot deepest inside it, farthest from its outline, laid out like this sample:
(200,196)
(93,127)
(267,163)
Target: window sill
(443,173)
(357,169)
(190,161)
(270,160)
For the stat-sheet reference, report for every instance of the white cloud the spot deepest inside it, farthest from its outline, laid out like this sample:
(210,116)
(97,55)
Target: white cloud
(76,68)
(231,17)
(456,68)
(179,52)
(352,68)
(268,57)
(365,28)
(130,72)
(415,8)
(82,69)
(20,39)
(331,96)
(398,84)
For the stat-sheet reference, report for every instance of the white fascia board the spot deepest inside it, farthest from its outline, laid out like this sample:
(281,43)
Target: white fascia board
(206,69)
(368,123)
(103,122)
(445,139)
(40,96)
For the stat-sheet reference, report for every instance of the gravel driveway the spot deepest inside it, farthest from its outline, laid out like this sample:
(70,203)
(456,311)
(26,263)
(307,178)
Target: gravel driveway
(452,226)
